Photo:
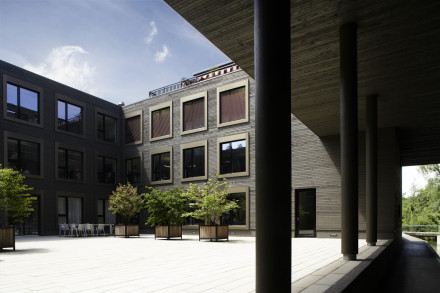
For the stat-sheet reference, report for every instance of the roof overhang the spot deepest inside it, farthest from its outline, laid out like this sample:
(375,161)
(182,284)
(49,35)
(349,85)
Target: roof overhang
(398,59)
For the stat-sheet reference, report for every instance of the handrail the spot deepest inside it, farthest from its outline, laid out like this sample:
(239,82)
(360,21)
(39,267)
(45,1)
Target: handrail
(198,77)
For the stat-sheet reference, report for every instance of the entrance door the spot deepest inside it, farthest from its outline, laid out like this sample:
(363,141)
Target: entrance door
(305,212)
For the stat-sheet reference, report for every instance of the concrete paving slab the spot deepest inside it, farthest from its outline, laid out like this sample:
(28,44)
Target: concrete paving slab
(109,264)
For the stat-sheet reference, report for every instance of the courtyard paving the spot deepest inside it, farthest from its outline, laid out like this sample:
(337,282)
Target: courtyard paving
(109,264)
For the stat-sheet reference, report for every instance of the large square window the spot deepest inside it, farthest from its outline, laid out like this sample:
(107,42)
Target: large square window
(69,210)
(106,170)
(133,170)
(70,164)
(22,103)
(70,117)
(24,156)
(161,121)
(193,113)
(106,127)
(232,103)
(161,164)
(194,157)
(133,129)
(233,155)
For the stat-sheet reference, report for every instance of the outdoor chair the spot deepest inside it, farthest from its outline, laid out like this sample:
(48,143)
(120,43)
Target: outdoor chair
(89,229)
(64,228)
(101,227)
(81,230)
(73,229)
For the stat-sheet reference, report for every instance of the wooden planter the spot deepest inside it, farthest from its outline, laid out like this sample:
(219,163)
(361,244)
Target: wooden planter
(214,232)
(127,230)
(168,232)
(7,237)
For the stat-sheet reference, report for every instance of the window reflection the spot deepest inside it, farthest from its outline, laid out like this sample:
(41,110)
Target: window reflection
(22,103)
(233,157)
(160,165)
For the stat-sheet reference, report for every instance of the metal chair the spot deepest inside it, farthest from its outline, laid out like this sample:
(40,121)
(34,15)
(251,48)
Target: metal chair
(89,229)
(101,227)
(81,230)
(73,229)
(63,228)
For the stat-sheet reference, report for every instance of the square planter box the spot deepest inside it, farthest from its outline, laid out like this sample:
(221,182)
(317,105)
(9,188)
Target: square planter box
(168,232)
(127,230)
(7,237)
(214,232)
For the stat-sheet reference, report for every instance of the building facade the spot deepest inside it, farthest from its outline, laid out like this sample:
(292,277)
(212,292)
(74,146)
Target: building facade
(74,148)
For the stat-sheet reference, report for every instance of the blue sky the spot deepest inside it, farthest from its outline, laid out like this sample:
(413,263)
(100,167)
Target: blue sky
(117,50)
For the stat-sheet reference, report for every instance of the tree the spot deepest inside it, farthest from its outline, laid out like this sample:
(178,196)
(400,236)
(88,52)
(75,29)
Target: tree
(165,207)
(15,200)
(126,202)
(423,206)
(211,201)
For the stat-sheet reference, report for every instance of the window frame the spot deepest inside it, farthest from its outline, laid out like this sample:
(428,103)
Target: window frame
(135,156)
(156,108)
(28,86)
(242,83)
(117,130)
(131,115)
(21,137)
(202,143)
(161,151)
(59,194)
(71,148)
(201,95)
(105,156)
(67,100)
(244,189)
(231,138)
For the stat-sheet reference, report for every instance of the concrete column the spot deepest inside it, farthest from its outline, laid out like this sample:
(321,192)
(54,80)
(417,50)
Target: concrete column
(349,141)
(273,146)
(371,162)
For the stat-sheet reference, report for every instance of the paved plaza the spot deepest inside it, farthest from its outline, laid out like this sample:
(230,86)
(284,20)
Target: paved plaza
(109,264)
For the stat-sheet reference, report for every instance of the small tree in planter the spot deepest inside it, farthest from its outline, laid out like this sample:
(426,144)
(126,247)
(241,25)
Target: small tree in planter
(210,202)
(127,203)
(166,210)
(15,204)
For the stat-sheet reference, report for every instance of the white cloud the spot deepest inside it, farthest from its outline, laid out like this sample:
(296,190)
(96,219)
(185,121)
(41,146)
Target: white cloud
(153,32)
(64,64)
(160,56)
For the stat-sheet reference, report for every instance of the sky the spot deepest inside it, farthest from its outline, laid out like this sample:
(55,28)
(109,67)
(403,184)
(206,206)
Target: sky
(117,50)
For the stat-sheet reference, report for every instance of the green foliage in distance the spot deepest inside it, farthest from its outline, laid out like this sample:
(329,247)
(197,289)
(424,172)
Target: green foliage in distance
(423,206)
(15,200)
(210,201)
(165,207)
(126,202)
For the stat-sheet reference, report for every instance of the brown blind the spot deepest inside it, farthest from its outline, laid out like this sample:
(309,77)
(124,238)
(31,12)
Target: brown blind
(193,114)
(133,129)
(233,105)
(160,122)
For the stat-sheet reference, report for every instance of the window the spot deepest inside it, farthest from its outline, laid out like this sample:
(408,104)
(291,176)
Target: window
(194,157)
(70,164)
(193,113)
(133,128)
(233,155)
(106,128)
(161,121)
(105,216)
(238,218)
(23,103)
(69,210)
(24,156)
(70,117)
(133,170)
(232,104)
(161,164)
(106,170)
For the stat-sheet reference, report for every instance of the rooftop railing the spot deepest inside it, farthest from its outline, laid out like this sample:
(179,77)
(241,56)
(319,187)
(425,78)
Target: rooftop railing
(198,77)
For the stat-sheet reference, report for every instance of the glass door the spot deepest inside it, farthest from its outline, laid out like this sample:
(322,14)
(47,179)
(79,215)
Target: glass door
(305,213)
